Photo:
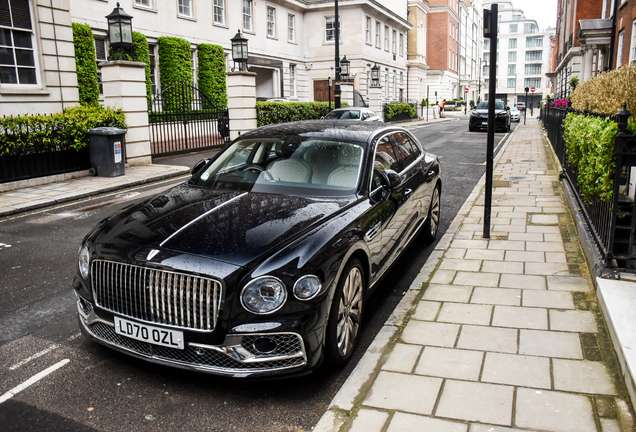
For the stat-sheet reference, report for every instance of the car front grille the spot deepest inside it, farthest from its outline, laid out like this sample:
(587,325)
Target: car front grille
(157,296)
(287,345)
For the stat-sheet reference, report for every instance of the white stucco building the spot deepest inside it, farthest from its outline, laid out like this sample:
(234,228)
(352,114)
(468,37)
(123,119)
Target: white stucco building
(523,57)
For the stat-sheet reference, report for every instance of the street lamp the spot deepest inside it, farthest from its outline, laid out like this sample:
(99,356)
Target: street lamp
(375,76)
(344,67)
(239,51)
(120,30)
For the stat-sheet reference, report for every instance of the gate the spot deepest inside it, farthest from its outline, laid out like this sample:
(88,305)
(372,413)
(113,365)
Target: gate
(183,119)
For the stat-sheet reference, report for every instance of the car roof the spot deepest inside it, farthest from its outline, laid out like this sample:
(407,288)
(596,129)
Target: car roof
(329,129)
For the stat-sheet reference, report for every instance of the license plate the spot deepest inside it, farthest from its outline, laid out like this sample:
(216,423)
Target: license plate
(147,333)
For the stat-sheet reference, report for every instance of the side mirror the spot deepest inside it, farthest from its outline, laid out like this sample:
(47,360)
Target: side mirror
(392,179)
(507,108)
(199,166)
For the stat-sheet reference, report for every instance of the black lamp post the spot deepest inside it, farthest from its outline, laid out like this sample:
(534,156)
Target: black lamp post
(375,76)
(239,51)
(622,118)
(344,67)
(120,30)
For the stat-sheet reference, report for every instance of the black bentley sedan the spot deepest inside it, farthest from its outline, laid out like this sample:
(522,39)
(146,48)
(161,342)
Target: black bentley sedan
(261,263)
(479,117)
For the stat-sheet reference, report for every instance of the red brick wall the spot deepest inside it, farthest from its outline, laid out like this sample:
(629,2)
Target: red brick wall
(439,40)
(625,17)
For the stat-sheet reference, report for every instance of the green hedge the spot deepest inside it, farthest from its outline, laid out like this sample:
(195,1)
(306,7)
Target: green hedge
(85,64)
(392,110)
(281,112)
(590,146)
(29,134)
(175,66)
(140,47)
(212,75)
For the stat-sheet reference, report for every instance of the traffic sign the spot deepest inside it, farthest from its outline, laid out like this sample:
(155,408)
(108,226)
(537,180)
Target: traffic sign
(466,90)
(532,89)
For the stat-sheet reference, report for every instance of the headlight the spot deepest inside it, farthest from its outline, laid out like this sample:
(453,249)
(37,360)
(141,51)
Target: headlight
(83,261)
(264,295)
(307,287)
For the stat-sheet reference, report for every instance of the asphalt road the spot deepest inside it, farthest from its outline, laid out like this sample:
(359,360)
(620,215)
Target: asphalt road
(95,388)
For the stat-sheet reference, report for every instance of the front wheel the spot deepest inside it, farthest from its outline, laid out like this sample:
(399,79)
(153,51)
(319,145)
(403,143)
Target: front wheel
(345,316)
(432,221)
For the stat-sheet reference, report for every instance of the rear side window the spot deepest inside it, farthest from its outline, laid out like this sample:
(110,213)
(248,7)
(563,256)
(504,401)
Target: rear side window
(406,149)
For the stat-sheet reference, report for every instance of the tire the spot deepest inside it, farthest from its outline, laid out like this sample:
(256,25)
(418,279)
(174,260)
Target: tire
(471,128)
(345,316)
(431,226)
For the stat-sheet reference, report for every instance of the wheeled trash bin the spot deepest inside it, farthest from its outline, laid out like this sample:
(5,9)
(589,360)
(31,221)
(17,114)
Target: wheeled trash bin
(107,151)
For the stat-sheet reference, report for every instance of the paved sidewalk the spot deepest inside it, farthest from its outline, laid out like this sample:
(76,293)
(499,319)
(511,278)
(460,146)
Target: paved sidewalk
(36,193)
(498,334)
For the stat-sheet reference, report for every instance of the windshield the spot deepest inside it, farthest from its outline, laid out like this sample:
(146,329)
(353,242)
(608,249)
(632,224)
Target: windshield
(484,105)
(344,115)
(303,166)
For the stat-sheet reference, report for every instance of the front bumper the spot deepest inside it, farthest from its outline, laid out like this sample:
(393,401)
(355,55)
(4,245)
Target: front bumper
(237,356)
(482,122)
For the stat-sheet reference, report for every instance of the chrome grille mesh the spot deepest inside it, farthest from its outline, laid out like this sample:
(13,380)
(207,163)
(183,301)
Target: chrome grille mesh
(157,296)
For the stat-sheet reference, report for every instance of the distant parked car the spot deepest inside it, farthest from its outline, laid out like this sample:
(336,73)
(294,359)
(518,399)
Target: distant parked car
(278,99)
(521,106)
(479,117)
(362,114)
(515,115)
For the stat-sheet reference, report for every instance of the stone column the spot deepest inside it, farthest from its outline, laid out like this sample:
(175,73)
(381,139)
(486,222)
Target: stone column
(241,102)
(125,88)
(347,93)
(375,99)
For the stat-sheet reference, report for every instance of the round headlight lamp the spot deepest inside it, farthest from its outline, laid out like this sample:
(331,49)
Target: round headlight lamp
(264,295)
(83,261)
(307,287)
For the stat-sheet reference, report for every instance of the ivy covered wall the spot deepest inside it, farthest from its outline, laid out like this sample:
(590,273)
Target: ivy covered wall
(85,65)
(212,74)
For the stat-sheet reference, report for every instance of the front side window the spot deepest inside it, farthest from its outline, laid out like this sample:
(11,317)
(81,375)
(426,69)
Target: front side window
(385,159)
(330,28)
(17,52)
(219,12)
(271,21)
(185,8)
(292,80)
(405,148)
(291,28)
(247,15)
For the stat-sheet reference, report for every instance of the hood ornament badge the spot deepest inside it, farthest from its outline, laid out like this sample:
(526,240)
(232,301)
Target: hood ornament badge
(152,254)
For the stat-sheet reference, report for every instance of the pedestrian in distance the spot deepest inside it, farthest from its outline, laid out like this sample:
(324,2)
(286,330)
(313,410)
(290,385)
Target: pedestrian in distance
(441,108)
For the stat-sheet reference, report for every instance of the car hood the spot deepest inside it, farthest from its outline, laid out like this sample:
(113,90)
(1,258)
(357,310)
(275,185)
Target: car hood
(231,226)
(484,112)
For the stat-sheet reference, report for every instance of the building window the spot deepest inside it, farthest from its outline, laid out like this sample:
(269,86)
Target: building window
(368,30)
(486,44)
(486,57)
(386,38)
(330,28)
(401,77)
(529,28)
(292,80)
(394,42)
(533,69)
(512,82)
(632,48)
(534,55)
(247,15)
(17,54)
(513,28)
(291,28)
(100,56)
(386,83)
(512,69)
(402,44)
(271,22)
(512,56)
(532,82)
(377,34)
(516,17)
(619,54)
(512,43)
(219,12)
(143,3)
(534,42)
(153,68)
(185,8)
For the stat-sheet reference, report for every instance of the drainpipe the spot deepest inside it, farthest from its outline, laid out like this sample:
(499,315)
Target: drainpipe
(613,42)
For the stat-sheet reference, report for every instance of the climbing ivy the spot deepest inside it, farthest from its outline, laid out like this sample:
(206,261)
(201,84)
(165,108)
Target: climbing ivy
(175,67)
(85,65)
(140,47)
(212,75)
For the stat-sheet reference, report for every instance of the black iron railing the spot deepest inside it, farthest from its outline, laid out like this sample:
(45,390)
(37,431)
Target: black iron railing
(612,224)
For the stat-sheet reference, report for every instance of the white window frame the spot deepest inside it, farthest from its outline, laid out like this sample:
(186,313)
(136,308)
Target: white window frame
(386,38)
(291,28)
(538,39)
(33,49)
(247,14)
(401,44)
(328,19)
(218,11)
(378,34)
(368,34)
(185,8)
(292,80)
(619,53)
(394,42)
(514,28)
(632,47)
(512,81)
(146,4)
(271,22)
(512,56)
(512,69)
(512,43)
